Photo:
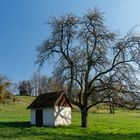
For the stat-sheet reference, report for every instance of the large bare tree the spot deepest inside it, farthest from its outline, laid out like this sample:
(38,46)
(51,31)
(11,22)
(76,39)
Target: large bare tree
(87,52)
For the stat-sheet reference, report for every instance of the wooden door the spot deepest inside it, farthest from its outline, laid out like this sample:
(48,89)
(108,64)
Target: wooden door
(39,117)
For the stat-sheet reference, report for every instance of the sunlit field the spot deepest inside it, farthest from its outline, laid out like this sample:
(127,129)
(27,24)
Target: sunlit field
(15,125)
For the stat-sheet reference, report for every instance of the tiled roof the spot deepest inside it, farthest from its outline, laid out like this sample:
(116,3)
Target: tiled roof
(50,99)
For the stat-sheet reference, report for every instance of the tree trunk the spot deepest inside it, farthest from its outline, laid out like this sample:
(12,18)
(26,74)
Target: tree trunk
(113,108)
(110,106)
(84,117)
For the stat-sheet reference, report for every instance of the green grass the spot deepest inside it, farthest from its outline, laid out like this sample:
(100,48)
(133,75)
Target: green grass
(15,125)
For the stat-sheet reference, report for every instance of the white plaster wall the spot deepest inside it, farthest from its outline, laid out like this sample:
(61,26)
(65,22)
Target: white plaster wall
(48,116)
(62,115)
(53,116)
(33,121)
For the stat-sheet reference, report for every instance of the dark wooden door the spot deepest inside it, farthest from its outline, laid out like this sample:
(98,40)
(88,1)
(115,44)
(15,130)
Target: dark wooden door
(39,117)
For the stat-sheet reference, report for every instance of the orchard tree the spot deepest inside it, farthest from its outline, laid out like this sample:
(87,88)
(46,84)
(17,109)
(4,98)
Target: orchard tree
(87,53)
(122,90)
(25,88)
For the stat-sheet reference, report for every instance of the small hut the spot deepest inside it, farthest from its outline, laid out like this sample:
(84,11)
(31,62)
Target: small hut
(51,109)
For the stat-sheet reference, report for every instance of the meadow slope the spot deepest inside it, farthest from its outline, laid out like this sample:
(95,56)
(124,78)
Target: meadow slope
(15,125)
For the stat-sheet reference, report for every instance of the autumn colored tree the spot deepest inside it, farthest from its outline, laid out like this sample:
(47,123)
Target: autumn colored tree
(3,92)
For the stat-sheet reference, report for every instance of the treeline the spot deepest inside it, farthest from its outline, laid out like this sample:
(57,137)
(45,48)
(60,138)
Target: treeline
(118,95)
(39,84)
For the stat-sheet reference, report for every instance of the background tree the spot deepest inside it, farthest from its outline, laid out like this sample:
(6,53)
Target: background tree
(39,83)
(6,94)
(3,91)
(88,52)
(25,88)
(56,82)
(42,83)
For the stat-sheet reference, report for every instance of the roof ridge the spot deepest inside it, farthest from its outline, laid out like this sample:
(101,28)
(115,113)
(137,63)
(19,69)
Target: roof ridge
(52,92)
(62,94)
(48,99)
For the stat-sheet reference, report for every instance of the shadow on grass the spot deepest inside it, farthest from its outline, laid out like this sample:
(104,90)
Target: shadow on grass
(15,124)
(24,131)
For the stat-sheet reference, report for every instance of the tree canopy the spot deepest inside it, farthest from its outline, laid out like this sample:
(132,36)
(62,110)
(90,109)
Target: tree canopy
(93,61)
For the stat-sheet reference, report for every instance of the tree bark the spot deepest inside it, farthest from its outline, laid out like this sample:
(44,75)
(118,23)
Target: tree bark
(84,117)
(112,108)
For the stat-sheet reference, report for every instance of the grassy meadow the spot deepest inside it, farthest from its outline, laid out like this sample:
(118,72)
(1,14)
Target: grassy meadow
(15,125)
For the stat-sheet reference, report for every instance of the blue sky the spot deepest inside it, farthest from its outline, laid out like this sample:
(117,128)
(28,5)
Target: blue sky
(22,28)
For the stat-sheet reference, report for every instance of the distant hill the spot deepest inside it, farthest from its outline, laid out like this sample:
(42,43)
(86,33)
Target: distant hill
(24,100)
